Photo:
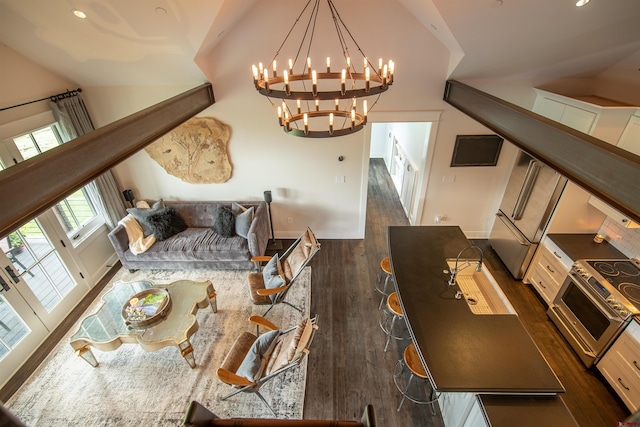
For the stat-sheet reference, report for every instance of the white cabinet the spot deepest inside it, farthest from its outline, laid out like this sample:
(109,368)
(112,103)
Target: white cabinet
(621,366)
(630,139)
(612,213)
(476,416)
(600,117)
(461,410)
(548,270)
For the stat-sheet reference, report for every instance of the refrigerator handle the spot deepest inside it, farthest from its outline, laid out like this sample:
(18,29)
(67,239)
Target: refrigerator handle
(527,188)
(510,227)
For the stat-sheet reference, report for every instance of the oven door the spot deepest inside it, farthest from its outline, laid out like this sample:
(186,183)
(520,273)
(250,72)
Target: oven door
(587,323)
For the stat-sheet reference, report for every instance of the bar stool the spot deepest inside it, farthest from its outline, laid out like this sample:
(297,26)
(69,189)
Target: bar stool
(392,320)
(412,380)
(382,285)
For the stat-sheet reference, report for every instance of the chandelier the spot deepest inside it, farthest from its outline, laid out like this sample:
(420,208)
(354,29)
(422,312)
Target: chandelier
(322,103)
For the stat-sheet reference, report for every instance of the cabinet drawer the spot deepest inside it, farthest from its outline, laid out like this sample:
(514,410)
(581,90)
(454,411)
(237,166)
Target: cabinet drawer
(558,254)
(553,266)
(624,380)
(544,284)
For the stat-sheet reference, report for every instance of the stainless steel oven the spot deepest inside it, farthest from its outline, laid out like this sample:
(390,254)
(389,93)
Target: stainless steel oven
(591,308)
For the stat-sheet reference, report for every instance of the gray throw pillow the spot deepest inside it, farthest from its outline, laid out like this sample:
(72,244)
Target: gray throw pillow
(141,215)
(224,223)
(273,275)
(166,223)
(243,222)
(254,362)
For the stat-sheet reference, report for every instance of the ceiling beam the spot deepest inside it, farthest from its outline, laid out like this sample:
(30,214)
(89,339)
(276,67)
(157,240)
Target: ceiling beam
(604,170)
(33,186)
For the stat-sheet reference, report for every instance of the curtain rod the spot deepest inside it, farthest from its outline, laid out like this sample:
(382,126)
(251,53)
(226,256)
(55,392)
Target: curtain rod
(67,94)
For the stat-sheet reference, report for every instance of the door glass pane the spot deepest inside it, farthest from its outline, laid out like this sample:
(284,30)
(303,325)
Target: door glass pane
(38,264)
(75,210)
(12,327)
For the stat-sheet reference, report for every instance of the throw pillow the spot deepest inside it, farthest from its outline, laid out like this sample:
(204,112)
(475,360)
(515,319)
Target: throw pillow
(243,222)
(224,224)
(166,223)
(273,275)
(254,361)
(237,208)
(142,214)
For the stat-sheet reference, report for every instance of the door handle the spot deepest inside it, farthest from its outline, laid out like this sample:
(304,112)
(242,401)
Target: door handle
(4,286)
(12,273)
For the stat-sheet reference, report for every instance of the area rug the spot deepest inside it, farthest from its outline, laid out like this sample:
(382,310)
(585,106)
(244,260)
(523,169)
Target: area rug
(132,387)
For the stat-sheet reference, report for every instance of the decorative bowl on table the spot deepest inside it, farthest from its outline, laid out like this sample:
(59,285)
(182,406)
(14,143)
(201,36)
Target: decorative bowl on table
(146,307)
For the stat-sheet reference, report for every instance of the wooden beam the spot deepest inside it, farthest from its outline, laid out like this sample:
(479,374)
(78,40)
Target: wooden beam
(33,186)
(604,170)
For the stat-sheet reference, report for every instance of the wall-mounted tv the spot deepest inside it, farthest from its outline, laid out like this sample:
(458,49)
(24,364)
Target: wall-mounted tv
(476,150)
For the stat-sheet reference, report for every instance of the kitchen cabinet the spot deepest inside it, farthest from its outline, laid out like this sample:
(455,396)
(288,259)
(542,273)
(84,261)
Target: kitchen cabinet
(621,366)
(612,213)
(455,407)
(599,117)
(548,270)
(630,139)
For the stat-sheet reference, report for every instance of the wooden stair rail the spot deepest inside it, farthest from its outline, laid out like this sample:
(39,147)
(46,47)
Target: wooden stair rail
(606,171)
(33,186)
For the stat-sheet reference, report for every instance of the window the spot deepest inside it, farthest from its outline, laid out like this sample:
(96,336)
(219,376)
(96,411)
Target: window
(76,213)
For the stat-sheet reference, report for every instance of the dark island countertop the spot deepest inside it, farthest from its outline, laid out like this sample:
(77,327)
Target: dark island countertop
(461,351)
(582,246)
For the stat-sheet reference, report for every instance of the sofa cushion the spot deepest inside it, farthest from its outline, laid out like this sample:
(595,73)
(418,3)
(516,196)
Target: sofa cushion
(243,221)
(224,223)
(256,358)
(142,214)
(166,223)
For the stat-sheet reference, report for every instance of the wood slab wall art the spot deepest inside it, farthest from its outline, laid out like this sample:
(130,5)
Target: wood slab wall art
(196,151)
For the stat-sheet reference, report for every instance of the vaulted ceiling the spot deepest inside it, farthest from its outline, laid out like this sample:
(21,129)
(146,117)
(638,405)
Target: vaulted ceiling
(145,42)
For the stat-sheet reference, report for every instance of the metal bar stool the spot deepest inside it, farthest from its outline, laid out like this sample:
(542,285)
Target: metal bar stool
(412,380)
(392,320)
(382,285)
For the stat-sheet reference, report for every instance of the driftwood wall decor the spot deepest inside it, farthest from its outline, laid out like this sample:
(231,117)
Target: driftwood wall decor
(196,151)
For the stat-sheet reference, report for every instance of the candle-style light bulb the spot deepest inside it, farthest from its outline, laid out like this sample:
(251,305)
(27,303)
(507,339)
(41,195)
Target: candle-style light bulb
(380,66)
(343,81)
(365,62)
(291,66)
(314,81)
(348,62)
(353,118)
(364,108)
(330,119)
(254,69)
(306,123)
(280,115)
(287,88)
(367,79)
(265,76)
(275,73)
(317,105)
(309,64)
(260,67)
(298,105)
(328,64)
(337,104)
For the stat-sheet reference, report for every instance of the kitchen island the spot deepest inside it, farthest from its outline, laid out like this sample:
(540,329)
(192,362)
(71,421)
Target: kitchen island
(467,356)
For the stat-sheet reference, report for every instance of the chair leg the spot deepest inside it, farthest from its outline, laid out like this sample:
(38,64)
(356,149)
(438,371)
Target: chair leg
(265,402)
(291,305)
(404,393)
(393,321)
(233,393)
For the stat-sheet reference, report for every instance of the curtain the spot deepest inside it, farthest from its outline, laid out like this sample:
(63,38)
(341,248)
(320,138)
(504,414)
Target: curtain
(74,120)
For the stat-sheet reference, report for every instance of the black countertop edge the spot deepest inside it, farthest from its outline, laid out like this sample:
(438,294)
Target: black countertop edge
(582,246)
(526,411)
(461,351)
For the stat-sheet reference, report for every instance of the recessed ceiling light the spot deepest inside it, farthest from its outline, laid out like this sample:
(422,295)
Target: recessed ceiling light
(496,3)
(80,14)
(581,3)
(161,11)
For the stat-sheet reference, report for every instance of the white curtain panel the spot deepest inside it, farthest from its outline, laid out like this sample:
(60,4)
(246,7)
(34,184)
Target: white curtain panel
(74,120)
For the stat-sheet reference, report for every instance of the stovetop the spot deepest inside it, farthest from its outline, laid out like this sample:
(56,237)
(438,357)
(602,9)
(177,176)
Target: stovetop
(617,282)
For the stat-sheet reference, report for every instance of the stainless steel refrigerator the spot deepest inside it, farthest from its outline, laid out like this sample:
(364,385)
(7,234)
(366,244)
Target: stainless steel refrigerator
(531,196)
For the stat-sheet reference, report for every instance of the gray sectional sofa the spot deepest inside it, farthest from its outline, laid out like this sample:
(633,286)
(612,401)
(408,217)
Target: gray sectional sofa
(199,246)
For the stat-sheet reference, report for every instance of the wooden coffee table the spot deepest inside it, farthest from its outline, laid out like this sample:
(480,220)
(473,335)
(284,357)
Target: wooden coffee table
(107,330)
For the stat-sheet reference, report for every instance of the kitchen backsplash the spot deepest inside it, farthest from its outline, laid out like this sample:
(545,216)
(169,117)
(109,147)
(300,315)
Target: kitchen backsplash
(626,240)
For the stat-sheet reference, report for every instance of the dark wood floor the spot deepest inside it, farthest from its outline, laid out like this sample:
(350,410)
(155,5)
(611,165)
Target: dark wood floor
(347,366)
